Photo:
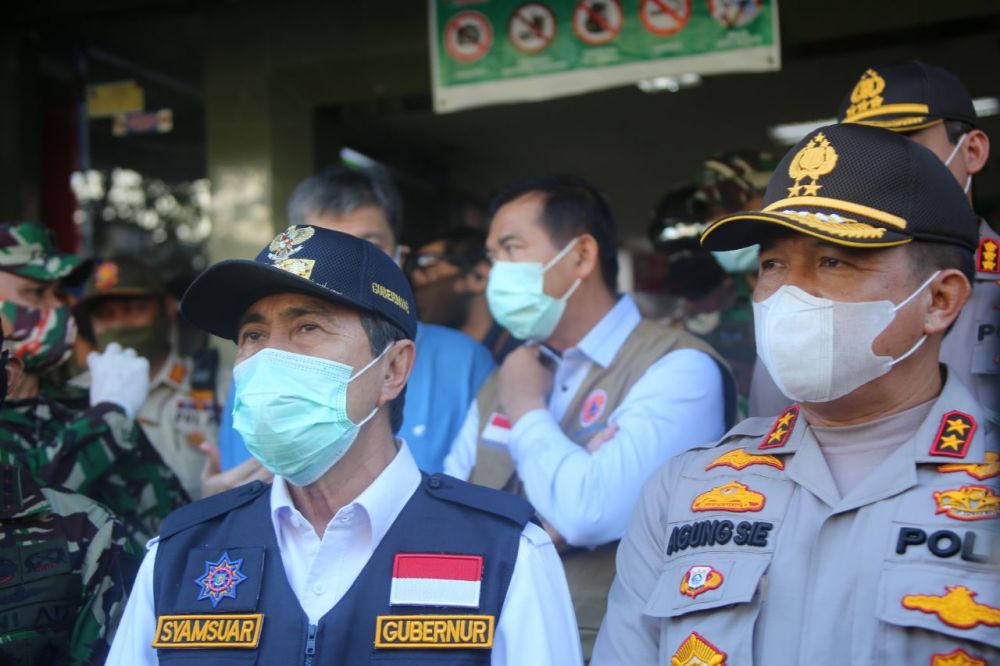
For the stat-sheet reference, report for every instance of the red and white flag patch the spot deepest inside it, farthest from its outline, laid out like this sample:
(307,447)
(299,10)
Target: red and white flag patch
(436,580)
(497,430)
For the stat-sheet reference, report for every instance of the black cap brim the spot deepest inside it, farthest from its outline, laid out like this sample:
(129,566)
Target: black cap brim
(739,230)
(221,295)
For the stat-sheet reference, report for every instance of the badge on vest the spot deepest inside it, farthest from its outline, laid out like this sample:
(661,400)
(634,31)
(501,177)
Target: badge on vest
(954,435)
(956,608)
(497,430)
(980,471)
(593,408)
(434,632)
(968,503)
(220,579)
(210,630)
(733,496)
(697,651)
(436,580)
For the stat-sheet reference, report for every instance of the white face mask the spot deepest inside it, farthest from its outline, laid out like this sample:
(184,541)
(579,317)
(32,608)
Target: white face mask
(817,349)
(951,157)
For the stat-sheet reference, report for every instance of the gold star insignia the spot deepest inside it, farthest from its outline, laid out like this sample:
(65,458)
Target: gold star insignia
(776,435)
(958,425)
(812,189)
(951,442)
(793,191)
(786,419)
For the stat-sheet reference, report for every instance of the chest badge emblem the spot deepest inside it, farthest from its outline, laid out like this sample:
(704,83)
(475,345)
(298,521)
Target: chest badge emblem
(696,651)
(699,579)
(740,459)
(956,658)
(732,496)
(979,471)
(968,503)
(220,579)
(956,608)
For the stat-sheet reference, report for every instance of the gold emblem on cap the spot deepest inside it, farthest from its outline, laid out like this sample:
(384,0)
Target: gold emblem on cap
(302,268)
(817,158)
(867,94)
(288,242)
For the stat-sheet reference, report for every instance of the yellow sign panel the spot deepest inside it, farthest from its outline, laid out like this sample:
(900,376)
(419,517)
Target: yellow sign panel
(109,99)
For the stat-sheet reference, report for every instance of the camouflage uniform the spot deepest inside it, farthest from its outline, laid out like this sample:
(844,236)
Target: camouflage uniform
(65,568)
(95,451)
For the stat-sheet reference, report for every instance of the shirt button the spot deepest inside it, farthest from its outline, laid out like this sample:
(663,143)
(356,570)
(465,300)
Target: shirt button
(434,482)
(319,588)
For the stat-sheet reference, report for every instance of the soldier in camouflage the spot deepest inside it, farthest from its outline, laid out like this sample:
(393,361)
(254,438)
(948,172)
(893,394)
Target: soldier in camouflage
(93,447)
(65,565)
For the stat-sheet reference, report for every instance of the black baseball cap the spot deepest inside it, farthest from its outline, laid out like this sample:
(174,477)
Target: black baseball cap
(907,97)
(327,264)
(858,186)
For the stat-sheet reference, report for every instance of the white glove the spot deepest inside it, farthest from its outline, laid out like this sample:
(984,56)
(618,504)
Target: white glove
(119,376)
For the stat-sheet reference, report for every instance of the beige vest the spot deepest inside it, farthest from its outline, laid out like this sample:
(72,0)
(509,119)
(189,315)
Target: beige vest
(590,572)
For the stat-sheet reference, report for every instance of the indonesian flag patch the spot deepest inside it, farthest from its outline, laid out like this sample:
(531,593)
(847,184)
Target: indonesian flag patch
(497,430)
(420,579)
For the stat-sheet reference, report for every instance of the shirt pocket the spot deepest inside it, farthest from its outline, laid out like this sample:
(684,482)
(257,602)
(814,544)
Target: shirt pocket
(931,612)
(730,585)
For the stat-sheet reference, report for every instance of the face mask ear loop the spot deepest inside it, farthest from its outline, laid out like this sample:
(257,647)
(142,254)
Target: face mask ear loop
(562,253)
(954,151)
(370,363)
(914,294)
(907,355)
(968,184)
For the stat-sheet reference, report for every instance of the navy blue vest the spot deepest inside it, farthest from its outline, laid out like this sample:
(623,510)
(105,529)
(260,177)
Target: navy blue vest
(196,575)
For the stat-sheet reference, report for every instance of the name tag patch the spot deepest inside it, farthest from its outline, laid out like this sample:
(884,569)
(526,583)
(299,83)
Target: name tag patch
(416,632)
(208,631)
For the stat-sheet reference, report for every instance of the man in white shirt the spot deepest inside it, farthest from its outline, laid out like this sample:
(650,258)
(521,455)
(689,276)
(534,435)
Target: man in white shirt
(351,556)
(579,418)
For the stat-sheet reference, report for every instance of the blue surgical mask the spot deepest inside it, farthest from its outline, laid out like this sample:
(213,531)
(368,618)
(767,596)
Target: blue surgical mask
(517,299)
(291,410)
(743,260)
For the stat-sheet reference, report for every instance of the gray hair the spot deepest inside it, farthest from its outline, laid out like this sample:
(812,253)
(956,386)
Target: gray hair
(339,190)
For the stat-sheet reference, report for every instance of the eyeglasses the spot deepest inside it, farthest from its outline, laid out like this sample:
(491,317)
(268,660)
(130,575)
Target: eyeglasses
(429,260)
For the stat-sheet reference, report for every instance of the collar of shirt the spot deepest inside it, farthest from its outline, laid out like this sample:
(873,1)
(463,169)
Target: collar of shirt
(379,503)
(173,373)
(603,341)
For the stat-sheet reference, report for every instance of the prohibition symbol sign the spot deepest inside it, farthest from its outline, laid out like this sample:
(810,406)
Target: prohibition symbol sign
(665,17)
(597,22)
(468,36)
(532,28)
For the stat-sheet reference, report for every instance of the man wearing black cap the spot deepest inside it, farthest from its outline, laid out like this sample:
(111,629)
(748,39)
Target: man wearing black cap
(857,527)
(931,106)
(351,556)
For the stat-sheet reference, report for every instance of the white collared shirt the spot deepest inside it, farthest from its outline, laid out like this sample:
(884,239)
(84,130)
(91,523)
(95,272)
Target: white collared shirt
(588,497)
(537,624)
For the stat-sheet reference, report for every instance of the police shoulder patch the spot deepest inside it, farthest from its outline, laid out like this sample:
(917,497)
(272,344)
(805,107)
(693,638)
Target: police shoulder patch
(954,435)
(507,505)
(986,256)
(210,507)
(778,436)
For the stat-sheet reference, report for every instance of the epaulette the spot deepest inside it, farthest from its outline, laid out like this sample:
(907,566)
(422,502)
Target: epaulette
(503,504)
(210,507)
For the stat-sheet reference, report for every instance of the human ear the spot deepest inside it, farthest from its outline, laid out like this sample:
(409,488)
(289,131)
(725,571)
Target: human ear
(949,292)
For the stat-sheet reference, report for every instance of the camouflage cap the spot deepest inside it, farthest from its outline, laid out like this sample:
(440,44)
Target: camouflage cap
(26,249)
(118,277)
(730,180)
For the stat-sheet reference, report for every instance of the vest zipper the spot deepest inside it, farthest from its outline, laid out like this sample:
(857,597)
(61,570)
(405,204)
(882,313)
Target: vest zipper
(311,645)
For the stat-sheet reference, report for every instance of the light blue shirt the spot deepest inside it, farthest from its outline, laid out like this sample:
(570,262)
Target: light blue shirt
(588,497)
(448,371)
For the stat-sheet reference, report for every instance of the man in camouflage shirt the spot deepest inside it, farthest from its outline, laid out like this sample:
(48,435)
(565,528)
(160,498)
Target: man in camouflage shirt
(94,449)
(65,566)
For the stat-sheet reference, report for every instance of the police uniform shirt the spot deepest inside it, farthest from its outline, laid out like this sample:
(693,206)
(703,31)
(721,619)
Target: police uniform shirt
(747,553)
(677,403)
(535,627)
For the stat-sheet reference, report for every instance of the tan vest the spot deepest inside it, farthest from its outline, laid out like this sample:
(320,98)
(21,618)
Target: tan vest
(590,572)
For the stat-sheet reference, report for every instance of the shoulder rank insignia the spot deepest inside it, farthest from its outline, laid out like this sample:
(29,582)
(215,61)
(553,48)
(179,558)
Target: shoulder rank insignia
(956,658)
(956,608)
(699,579)
(220,579)
(782,428)
(696,651)
(732,496)
(979,471)
(986,256)
(968,503)
(954,435)
(740,459)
